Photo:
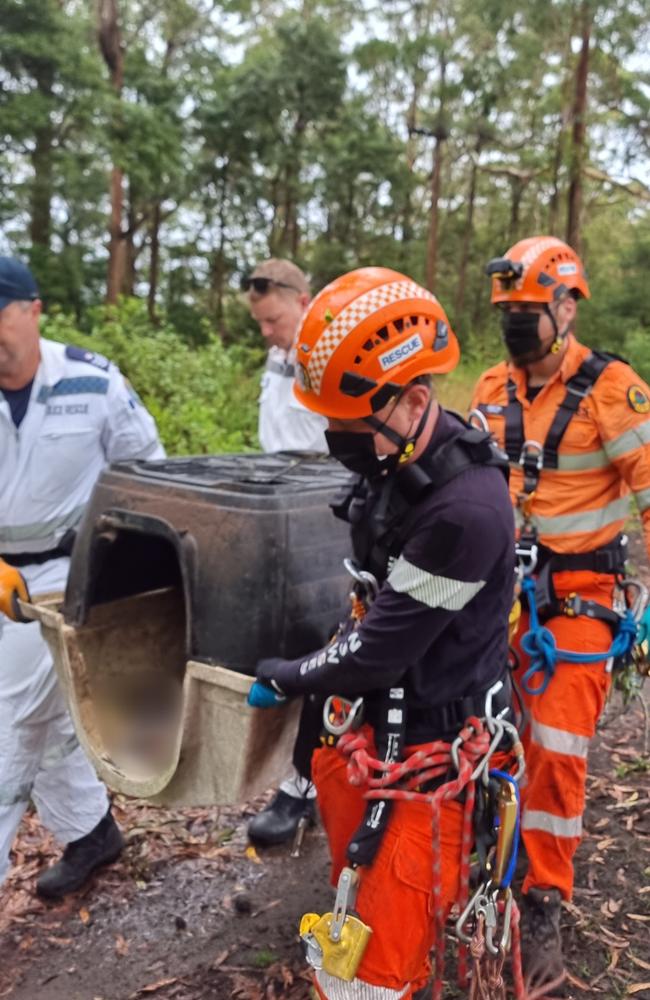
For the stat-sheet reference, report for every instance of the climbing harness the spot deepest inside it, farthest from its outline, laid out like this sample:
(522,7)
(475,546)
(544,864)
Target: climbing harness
(536,564)
(379,514)
(489,924)
(540,645)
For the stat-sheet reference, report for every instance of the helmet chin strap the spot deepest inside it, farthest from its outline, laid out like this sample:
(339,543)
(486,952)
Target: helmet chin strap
(406,445)
(560,335)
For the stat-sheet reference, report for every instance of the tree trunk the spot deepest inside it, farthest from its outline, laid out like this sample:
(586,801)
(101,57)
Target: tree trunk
(128,239)
(154,262)
(40,228)
(469,230)
(517,187)
(436,175)
(109,36)
(432,241)
(578,136)
(116,244)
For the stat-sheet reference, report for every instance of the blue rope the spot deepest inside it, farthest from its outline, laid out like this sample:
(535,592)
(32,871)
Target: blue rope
(540,645)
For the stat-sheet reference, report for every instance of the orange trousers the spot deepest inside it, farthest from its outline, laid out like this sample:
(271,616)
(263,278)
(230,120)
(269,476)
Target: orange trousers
(561,723)
(394,896)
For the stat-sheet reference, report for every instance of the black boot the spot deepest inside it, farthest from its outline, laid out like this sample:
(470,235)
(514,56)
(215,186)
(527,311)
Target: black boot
(541,942)
(279,821)
(81,858)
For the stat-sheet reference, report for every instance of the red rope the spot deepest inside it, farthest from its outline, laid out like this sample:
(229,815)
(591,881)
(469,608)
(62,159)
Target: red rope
(431,761)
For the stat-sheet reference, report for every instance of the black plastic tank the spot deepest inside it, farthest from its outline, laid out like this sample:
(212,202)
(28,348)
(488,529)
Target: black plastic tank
(248,542)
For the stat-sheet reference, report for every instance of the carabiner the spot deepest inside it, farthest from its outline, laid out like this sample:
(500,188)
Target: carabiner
(481,769)
(466,914)
(365,579)
(350,712)
(478,420)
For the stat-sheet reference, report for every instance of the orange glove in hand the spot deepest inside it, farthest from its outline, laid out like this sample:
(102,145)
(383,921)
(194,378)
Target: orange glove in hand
(12,589)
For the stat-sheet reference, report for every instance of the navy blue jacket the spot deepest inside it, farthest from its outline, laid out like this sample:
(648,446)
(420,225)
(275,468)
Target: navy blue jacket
(438,626)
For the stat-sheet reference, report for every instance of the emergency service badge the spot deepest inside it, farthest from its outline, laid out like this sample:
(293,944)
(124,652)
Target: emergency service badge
(637,399)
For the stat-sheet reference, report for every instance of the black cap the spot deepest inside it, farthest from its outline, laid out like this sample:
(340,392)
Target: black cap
(17,282)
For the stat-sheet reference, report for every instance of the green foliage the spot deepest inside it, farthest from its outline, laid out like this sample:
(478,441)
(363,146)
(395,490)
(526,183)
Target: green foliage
(204,399)
(253,127)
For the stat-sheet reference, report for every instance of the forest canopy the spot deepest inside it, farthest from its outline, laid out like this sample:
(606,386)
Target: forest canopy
(157,149)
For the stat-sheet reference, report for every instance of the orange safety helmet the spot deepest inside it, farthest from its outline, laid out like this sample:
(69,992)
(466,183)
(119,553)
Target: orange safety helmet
(365,336)
(539,269)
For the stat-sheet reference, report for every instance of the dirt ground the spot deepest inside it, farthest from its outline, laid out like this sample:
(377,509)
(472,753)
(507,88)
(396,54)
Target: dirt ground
(192,913)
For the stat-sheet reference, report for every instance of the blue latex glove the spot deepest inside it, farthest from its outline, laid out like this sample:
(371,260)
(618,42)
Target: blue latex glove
(263,696)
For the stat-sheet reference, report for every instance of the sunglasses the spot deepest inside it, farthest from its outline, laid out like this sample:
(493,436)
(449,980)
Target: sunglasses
(263,285)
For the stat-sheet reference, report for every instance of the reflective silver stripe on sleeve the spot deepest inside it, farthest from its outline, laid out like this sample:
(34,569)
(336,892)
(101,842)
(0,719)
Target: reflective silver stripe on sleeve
(54,755)
(587,520)
(11,795)
(38,537)
(537,819)
(636,437)
(583,462)
(642,498)
(435,591)
(338,989)
(559,740)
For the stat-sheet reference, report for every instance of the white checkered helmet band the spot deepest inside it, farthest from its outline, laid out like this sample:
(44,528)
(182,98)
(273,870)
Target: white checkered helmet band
(353,314)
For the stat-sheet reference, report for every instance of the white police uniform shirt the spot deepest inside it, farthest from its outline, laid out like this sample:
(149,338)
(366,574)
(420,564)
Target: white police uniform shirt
(82,414)
(284,423)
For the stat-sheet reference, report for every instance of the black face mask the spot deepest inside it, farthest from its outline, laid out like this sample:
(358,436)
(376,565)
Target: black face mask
(357,453)
(521,337)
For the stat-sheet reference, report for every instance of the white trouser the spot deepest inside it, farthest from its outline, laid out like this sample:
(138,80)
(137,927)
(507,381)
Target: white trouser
(40,758)
(298,787)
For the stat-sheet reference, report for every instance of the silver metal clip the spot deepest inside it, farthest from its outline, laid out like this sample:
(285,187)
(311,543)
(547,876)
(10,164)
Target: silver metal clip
(350,711)
(346,894)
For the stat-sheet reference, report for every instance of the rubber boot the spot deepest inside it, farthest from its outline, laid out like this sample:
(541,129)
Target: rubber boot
(278,823)
(81,858)
(541,942)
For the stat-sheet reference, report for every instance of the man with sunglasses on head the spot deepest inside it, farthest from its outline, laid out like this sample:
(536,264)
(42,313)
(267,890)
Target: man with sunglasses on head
(576,426)
(277,293)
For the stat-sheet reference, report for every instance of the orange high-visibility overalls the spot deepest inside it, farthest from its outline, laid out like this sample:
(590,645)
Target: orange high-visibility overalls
(578,510)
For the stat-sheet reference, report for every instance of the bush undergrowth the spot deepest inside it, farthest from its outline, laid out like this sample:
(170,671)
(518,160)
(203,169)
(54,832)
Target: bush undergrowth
(204,398)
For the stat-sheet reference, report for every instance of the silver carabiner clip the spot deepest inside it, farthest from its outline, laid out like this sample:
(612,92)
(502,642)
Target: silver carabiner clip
(489,718)
(352,712)
(365,579)
(471,908)
(641,602)
(536,450)
(478,420)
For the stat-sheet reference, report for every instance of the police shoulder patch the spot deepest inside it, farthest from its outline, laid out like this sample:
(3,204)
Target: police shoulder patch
(638,399)
(90,357)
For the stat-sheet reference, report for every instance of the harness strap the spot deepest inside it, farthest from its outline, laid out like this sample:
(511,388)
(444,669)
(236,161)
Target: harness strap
(389,737)
(514,416)
(577,388)
(445,720)
(608,558)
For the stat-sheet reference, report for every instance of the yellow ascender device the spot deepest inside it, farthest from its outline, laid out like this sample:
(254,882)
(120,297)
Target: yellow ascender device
(335,942)
(508,812)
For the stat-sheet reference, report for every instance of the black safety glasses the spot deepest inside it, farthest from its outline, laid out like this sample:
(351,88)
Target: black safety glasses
(264,285)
